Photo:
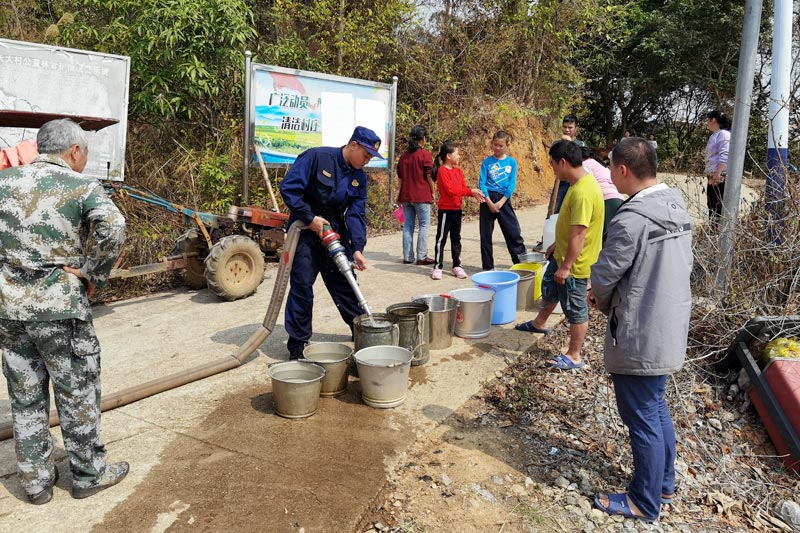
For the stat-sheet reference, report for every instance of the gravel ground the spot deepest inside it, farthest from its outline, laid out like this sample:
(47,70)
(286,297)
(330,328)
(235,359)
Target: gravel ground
(559,441)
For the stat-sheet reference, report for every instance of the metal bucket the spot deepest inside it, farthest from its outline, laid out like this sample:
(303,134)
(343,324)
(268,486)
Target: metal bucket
(334,357)
(535,265)
(533,257)
(525,289)
(441,317)
(296,387)
(383,332)
(415,329)
(474,315)
(383,371)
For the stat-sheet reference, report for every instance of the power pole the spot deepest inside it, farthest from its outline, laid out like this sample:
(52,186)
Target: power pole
(778,132)
(741,121)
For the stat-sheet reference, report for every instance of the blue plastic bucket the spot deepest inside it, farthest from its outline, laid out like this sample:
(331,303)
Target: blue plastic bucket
(504,285)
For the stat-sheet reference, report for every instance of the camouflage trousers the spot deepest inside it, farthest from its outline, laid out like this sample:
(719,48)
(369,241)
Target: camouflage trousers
(67,353)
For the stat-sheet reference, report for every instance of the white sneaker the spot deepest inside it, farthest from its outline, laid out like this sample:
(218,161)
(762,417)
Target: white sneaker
(459,273)
(436,274)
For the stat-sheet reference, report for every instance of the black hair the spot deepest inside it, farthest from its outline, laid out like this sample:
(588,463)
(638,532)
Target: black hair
(448,147)
(500,134)
(570,119)
(587,153)
(721,118)
(417,134)
(567,150)
(638,155)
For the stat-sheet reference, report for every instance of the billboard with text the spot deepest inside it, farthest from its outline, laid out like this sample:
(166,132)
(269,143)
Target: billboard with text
(292,111)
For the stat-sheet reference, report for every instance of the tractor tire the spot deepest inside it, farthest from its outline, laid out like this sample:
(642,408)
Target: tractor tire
(234,267)
(193,276)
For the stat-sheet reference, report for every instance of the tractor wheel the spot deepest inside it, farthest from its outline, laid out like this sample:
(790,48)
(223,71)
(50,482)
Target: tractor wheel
(234,267)
(193,276)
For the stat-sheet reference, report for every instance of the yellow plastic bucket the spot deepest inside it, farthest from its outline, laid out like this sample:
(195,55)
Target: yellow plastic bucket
(537,283)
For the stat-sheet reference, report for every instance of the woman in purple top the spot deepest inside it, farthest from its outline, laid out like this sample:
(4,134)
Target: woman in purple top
(717,162)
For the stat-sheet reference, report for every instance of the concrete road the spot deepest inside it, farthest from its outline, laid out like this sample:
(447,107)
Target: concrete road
(213,456)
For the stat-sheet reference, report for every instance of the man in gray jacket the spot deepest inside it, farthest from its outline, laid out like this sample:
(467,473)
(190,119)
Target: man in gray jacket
(641,281)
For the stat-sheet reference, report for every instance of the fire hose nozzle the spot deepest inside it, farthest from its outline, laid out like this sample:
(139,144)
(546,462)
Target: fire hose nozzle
(331,241)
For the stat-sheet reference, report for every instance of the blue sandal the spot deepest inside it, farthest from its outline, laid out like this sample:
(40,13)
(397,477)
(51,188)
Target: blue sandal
(618,505)
(562,362)
(530,328)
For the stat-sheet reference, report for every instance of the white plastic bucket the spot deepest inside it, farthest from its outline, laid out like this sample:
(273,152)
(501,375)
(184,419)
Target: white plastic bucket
(549,234)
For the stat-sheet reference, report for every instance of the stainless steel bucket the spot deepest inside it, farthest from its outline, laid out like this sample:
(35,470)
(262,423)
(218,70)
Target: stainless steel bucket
(296,386)
(474,315)
(334,357)
(382,331)
(441,317)
(415,329)
(383,371)
(525,287)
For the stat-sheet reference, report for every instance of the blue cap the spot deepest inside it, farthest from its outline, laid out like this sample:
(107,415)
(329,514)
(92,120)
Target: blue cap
(368,139)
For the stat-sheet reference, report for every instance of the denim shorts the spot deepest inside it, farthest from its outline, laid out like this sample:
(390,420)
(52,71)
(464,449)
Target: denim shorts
(571,295)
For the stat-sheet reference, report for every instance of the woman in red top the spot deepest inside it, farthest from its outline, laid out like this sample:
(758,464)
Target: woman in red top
(452,186)
(416,195)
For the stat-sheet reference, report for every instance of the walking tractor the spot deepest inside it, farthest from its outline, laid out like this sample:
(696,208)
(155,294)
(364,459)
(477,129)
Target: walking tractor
(226,253)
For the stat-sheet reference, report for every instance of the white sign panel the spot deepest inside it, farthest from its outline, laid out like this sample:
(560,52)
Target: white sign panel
(294,110)
(48,79)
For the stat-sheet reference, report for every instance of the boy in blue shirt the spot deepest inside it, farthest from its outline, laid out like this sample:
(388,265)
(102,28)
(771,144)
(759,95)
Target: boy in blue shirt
(497,182)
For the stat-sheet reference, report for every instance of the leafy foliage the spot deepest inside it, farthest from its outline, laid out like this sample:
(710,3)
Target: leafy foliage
(356,39)
(186,55)
(464,68)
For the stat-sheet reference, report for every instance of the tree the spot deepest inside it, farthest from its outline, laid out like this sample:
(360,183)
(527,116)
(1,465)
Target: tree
(186,55)
(660,60)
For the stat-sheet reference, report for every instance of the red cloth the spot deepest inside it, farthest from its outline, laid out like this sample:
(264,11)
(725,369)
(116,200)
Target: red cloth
(20,154)
(414,169)
(452,186)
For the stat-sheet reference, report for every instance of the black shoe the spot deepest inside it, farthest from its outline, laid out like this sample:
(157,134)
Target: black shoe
(407,262)
(44,496)
(113,474)
(539,247)
(294,355)
(426,261)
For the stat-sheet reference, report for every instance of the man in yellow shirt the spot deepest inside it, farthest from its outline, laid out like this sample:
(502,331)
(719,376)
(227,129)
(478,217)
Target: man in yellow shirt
(579,235)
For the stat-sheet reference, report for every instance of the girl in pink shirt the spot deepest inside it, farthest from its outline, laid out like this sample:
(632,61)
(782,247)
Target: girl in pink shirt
(611,196)
(452,186)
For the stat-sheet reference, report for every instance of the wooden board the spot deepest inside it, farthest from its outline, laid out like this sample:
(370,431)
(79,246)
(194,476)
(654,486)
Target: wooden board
(27,119)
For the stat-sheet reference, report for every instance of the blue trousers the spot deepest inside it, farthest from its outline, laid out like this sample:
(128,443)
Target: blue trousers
(641,405)
(311,259)
(413,212)
(563,187)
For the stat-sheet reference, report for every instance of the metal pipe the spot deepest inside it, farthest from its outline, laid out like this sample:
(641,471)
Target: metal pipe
(150,388)
(741,120)
(392,138)
(248,58)
(778,130)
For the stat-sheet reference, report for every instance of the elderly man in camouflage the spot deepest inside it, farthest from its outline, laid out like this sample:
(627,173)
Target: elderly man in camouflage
(60,235)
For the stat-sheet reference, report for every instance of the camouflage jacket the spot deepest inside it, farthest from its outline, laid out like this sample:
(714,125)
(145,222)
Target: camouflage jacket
(51,216)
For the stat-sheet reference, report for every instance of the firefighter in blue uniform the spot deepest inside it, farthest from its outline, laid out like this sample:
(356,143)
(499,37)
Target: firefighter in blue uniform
(326,186)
